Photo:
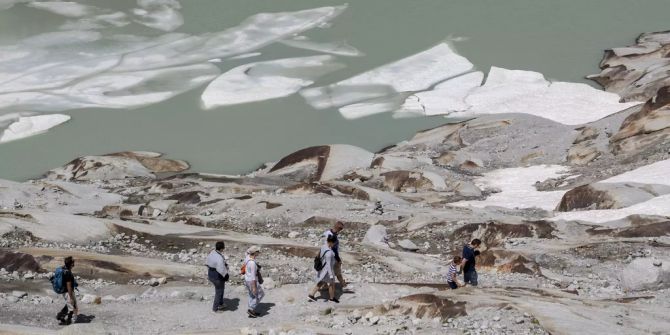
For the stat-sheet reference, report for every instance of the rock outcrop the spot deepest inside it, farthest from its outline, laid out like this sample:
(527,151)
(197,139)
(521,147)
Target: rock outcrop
(637,72)
(609,195)
(121,165)
(324,162)
(650,127)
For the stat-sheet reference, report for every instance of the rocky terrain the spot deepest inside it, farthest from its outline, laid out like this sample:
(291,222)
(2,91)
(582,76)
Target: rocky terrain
(575,224)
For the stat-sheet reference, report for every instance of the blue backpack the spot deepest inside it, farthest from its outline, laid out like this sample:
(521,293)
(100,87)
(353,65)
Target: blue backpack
(58,283)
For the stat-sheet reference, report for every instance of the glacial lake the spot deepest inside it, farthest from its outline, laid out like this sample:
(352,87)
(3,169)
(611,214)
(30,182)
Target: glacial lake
(562,39)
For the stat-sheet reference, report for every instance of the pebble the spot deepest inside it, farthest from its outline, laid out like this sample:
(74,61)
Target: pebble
(518,320)
(657,263)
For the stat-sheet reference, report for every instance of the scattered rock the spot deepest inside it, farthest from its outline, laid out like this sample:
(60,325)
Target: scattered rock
(408,245)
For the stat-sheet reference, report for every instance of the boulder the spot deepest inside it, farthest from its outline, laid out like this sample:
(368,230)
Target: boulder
(467,189)
(122,165)
(583,153)
(17,261)
(91,299)
(127,298)
(19,294)
(609,195)
(646,128)
(402,180)
(642,274)
(376,235)
(408,245)
(326,162)
(637,72)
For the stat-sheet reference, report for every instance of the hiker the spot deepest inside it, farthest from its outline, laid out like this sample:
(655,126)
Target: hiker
(452,273)
(326,275)
(64,284)
(217,273)
(470,251)
(337,228)
(253,280)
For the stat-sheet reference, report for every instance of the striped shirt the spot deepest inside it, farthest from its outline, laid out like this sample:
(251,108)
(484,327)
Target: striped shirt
(451,273)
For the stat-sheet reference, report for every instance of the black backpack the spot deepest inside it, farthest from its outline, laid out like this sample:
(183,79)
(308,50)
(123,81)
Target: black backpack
(318,261)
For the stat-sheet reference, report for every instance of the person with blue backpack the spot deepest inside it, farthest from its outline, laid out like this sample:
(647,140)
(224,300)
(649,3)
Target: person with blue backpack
(63,283)
(324,264)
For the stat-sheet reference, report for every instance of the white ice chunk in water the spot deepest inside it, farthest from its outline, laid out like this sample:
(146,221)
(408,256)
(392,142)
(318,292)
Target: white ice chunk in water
(527,92)
(115,90)
(64,8)
(253,33)
(116,19)
(7,4)
(159,14)
(446,97)
(266,80)
(372,106)
(414,73)
(517,188)
(340,48)
(61,38)
(32,125)
(246,55)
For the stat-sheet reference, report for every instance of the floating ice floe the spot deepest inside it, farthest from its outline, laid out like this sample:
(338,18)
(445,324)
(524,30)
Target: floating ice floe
(43,74)
(159,14)
(62,38)
(447,97)
(458,91)
(527,92)
(517,190)
(31,125)
(115,90)
(246,55)
(7,4)
(414,73)
(253,33)
(266,80)
(336,48)
(116,19)
(64,8)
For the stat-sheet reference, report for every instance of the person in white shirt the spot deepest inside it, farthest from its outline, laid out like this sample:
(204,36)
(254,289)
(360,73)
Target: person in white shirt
(251,280)
(326,276)
(337,228)
(217,273)
(452,273)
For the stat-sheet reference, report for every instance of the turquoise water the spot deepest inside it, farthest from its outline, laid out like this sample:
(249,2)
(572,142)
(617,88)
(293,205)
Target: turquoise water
(562,39)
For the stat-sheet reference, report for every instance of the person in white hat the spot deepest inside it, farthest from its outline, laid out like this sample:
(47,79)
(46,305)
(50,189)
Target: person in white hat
(252,281)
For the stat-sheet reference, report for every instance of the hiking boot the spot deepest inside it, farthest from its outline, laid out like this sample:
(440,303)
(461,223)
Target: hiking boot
(252,314)
(335,300)
(311,297)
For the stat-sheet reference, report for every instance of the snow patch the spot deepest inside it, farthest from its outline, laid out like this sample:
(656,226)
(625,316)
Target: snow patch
(517,190)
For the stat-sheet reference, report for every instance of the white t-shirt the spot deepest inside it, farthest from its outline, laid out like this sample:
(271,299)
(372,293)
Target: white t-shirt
(250,274)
